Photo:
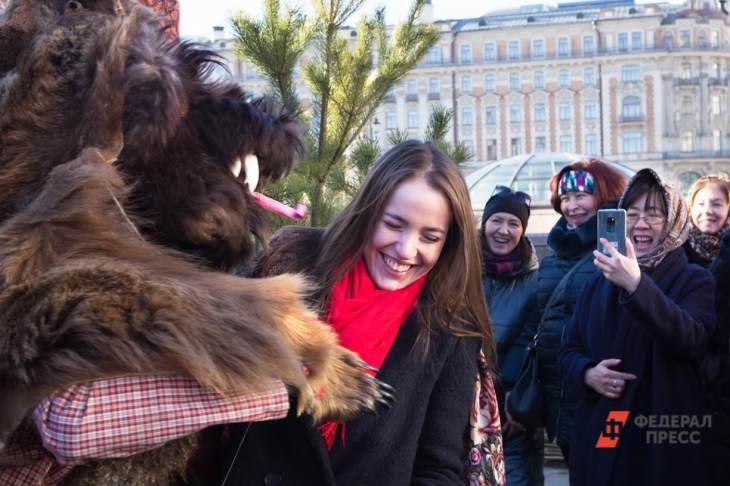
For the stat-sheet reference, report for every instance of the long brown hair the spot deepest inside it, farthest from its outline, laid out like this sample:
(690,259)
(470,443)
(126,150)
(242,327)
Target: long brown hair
(609,182)
(452,297)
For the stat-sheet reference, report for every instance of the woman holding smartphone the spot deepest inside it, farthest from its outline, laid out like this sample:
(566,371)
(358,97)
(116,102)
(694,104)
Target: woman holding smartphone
(635,344)
(578,191)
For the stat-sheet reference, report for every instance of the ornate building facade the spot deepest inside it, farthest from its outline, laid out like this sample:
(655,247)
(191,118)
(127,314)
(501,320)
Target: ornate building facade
(646,85)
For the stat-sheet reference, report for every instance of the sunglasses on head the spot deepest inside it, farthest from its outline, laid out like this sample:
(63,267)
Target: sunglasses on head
(522,196)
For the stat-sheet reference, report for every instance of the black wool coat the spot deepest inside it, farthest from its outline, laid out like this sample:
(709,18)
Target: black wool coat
(420,440)
(660,333)
(511,300)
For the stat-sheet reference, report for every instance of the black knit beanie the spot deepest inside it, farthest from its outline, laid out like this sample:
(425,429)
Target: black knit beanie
(508,201)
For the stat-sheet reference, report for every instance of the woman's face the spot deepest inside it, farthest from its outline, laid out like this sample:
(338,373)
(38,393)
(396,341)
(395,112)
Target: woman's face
(645,223)
(502,232)
(710,209)
(577,207)
(408,238)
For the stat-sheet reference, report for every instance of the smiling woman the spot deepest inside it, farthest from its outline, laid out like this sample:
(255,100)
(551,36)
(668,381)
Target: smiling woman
(709,203)
(397,277)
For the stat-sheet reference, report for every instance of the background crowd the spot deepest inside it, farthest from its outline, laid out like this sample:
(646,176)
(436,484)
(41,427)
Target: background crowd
(645,332)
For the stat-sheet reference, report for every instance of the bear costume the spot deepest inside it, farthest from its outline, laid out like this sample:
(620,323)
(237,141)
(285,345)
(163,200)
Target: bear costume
(123,205)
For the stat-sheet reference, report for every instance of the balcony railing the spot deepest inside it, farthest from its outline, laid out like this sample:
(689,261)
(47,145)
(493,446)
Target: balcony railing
(389,99)
(434,96)
(686,81)
(697,154)
(411,97)
(718,81)
(631,118)
(574,55)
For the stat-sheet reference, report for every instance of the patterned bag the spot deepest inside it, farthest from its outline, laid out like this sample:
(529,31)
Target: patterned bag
(484,464)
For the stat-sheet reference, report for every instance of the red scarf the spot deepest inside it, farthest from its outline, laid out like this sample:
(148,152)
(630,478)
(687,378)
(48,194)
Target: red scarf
(367,321)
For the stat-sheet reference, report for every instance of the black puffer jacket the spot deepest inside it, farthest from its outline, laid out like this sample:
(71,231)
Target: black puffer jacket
(569,248)
(511,299)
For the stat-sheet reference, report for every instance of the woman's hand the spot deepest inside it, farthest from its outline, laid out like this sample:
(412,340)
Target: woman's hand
(606,381)
(621,270)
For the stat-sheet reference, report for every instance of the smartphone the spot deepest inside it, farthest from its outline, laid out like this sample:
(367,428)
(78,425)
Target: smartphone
(612,226)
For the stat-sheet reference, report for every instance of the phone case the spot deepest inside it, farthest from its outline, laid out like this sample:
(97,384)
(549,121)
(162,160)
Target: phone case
(612,226)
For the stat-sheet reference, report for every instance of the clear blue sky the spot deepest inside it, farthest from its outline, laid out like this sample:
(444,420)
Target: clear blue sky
(197,17)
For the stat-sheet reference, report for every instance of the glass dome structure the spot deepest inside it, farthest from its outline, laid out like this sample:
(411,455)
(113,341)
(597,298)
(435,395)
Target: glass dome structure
(529,173)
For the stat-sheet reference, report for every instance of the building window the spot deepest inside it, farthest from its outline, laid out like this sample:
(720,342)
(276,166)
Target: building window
(466,117)
(564,111)
(631,107)
(668,40)
(390,120)
(564,78)
(686,70)
(716,104)
(563,47)
(623,41)
(589,110)
(538,49)
(566,143)
(469,145)
(433,56)
(633,142)
(588,44)
(491,149)
(489,83)
(514,50)
(515,114)
(630,73)
(716,70)
(686,180)
(411,87)
(716,140)
(433,85)
(540,144)
(490,52)
(715,39)
(412,119)
(636,41)
(685,39)
(687,105)
(687,141)
(514,81)
(465,54)
(702,39)
(540,112)
(515,146)
(491,117)
(539,80)
(465,84)
(591,144)
(588,78)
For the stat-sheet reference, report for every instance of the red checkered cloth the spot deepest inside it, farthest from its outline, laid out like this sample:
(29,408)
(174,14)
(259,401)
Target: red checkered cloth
(120,417)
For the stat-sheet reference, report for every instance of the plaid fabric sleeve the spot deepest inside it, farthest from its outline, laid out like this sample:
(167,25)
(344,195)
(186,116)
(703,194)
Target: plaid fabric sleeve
(123,416)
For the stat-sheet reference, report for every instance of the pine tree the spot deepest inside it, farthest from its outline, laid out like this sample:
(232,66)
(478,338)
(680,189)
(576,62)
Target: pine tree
(347,83)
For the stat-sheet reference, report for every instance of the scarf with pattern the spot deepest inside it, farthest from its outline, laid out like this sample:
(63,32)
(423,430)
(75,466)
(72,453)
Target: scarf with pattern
(676,229)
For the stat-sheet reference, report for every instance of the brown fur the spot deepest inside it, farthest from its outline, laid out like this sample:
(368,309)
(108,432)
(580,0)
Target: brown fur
(113,144)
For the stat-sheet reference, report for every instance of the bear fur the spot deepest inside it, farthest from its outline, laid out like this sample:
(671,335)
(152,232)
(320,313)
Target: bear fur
(120,215)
